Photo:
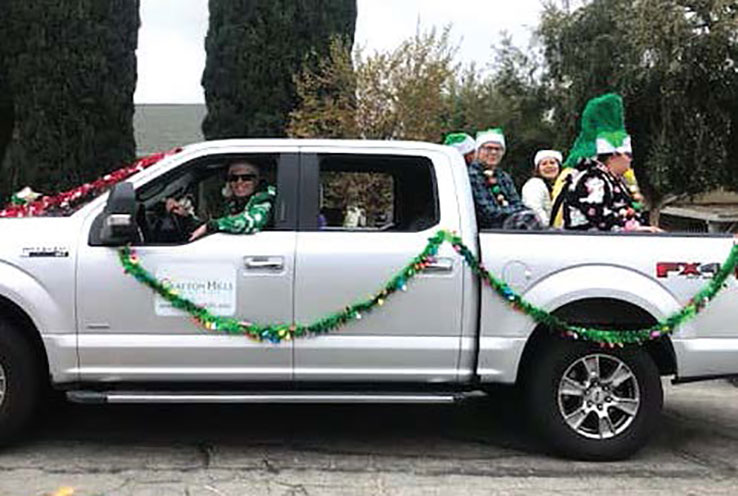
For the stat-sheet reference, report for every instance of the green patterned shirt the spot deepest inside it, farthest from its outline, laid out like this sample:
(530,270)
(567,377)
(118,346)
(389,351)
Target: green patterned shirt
(247,220)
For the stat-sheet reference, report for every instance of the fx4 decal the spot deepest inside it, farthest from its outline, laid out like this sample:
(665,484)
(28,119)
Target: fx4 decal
(686,269)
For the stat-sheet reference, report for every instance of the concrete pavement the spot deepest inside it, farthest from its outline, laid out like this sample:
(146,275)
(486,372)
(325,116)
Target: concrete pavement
(481,447)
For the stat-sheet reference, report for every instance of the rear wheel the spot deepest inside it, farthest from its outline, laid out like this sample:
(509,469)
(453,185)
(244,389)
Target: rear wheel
(593,403)
(20,382)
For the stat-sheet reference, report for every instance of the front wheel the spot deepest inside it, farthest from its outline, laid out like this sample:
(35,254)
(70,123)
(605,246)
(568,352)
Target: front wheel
(591,403)
(20,382)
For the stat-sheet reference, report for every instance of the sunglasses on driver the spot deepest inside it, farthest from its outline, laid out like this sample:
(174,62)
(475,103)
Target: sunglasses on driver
(232,178)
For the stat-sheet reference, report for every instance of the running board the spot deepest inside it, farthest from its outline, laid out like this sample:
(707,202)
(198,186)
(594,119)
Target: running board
(263,397)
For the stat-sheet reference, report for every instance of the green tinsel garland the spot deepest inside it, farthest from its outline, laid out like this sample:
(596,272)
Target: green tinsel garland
(279,332)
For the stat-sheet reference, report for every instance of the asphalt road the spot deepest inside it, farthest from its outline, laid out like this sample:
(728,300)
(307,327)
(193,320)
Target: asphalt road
(481,447)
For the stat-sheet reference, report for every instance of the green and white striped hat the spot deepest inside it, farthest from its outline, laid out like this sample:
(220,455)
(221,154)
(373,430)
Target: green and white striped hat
(494,135)
(613,142)
(461,141)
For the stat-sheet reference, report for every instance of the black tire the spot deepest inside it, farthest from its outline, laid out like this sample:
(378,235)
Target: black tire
(20,382)
(597,428)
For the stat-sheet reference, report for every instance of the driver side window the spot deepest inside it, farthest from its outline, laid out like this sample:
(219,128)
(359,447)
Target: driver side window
(215,191)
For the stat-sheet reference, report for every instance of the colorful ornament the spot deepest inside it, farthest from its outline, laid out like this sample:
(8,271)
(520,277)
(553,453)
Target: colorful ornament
(495,188)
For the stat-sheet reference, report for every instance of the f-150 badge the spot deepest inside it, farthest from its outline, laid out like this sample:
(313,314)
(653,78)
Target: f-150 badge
(686,269)
(45,252)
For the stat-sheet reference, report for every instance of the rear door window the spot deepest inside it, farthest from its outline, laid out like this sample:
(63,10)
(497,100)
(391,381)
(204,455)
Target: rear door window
(373,193)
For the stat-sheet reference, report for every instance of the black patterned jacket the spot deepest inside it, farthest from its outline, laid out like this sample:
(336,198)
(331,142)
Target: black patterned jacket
(597,200)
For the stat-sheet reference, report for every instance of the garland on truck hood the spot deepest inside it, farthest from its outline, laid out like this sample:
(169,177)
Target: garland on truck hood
(281,332)
(27,203)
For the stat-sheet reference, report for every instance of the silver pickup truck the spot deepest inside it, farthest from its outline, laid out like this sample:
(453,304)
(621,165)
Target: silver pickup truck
(347,215)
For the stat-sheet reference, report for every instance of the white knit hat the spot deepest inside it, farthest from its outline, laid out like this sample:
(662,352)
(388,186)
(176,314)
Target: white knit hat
(490,136)
(554,154)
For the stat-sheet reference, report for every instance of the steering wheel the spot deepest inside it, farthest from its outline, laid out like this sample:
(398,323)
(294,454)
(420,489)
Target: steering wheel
(160,226)
(142,224)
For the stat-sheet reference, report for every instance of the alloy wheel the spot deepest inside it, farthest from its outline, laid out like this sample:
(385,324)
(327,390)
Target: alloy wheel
(598,396)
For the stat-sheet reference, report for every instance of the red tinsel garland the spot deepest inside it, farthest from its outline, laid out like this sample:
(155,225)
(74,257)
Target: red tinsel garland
(63,203)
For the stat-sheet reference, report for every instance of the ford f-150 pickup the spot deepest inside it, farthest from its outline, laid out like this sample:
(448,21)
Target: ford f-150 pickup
(347,216)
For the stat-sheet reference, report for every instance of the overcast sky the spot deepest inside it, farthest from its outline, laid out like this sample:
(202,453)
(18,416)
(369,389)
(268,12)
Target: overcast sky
(171,53)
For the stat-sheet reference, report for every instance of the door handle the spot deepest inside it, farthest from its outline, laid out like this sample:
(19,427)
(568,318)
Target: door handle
(272,263)
(440,265)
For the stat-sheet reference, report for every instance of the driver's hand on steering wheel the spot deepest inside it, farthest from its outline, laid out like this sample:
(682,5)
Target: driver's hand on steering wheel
(174,207)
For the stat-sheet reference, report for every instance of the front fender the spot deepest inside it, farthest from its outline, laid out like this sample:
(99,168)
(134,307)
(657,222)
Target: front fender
(53,318)
(28,294)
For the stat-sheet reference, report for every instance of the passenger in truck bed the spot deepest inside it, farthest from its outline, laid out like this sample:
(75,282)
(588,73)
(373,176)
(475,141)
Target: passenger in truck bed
(537,191)
(496,200)
(464,144)
(598,198)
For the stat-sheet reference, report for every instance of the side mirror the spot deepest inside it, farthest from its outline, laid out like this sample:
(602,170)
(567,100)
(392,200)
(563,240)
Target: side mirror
(118,226)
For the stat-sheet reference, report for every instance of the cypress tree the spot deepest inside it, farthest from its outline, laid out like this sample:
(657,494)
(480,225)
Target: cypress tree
(6,122)
(71,71)
(255,49)
(6,100)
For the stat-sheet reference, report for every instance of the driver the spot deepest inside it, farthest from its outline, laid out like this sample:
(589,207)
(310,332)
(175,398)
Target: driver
(248,203)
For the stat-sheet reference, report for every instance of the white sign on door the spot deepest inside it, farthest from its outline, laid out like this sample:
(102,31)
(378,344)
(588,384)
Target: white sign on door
(210,285)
